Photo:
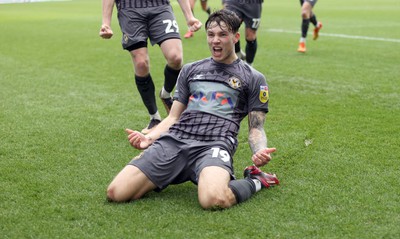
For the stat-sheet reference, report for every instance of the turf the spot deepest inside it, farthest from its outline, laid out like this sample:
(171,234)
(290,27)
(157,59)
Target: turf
(66,97)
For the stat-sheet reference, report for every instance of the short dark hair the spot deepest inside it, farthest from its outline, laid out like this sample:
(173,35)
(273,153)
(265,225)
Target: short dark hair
(231,20)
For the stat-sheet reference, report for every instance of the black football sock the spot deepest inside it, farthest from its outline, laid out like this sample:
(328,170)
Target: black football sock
(243,189)
(304,27)
(313,20)
(145,86)
(237,47)
(208,10)
(171,76)
(251,49)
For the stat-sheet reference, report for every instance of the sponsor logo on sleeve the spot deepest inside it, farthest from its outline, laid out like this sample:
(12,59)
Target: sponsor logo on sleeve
(264,94)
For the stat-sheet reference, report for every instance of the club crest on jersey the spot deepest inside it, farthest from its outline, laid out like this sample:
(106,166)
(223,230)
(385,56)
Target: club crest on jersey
(234,82)
(264,94)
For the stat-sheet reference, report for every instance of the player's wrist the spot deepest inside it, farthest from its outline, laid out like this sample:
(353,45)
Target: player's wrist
(149,138)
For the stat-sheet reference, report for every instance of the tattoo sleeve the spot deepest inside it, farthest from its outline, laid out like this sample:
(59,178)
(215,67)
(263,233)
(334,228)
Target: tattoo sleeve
(257,136)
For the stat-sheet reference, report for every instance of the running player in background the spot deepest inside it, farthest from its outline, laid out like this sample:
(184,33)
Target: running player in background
(249,12)
(139,21)
(308,16)
(197,140)
(205,8)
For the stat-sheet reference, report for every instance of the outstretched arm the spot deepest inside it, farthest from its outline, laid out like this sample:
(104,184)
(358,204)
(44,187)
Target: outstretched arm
(141,141)
(105,29)
(258,139)
(193,23)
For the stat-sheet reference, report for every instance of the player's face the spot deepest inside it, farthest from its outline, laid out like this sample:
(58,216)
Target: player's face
(222,43)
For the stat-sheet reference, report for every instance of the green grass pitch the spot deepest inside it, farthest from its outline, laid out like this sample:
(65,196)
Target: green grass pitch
(66,97)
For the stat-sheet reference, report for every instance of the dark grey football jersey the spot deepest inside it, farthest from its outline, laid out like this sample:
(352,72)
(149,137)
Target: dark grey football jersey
(218,97)
(122,4)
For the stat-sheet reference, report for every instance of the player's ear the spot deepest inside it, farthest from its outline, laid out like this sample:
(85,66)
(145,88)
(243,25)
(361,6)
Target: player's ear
(237,37)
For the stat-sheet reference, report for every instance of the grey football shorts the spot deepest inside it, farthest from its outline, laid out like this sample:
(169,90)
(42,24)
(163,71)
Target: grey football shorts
(156,23)
(312,2)
(170,160)
(250,13)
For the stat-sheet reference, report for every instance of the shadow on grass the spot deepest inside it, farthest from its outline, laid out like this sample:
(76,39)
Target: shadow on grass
(181,195)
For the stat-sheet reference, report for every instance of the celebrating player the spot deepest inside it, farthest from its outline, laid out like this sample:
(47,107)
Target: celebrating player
(197,140)
(142,20)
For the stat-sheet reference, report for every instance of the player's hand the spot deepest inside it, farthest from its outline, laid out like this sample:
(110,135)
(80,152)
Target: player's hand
(137,139)
(105,32)
(262,157)
(194,24)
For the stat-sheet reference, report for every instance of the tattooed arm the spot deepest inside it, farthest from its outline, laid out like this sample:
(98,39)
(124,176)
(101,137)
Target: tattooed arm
(258,139)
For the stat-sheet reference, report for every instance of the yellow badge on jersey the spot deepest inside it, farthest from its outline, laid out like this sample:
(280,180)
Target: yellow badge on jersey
(264,97)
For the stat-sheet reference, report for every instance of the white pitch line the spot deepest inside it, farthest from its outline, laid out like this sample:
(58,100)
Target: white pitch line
(341,36)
